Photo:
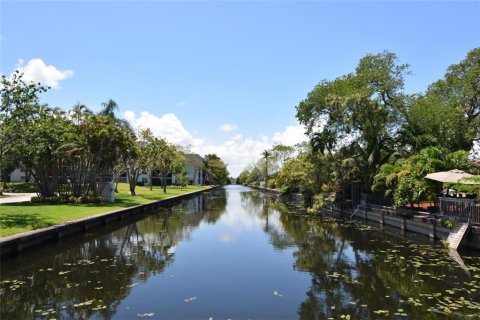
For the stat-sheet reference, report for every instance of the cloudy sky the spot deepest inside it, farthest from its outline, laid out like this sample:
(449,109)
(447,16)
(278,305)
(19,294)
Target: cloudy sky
(223,77)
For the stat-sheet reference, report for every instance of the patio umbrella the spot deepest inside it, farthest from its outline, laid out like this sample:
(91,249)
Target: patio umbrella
(451,176)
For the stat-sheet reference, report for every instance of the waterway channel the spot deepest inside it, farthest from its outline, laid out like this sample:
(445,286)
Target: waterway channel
(237,253)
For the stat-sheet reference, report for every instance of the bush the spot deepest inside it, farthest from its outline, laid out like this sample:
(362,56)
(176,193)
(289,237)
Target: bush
(449,223)
(272,183)
(67,200)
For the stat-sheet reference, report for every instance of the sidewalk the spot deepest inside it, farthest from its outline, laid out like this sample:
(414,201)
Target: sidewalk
(16,197)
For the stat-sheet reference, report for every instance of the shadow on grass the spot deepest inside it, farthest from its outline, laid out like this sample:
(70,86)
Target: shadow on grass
(23,220)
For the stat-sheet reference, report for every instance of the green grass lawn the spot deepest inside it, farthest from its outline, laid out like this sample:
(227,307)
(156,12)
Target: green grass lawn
(21,187)
(20,217)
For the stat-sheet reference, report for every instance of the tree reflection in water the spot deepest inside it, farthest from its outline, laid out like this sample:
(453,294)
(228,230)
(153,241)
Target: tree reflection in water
(92,278)
(367,273)
(346,268)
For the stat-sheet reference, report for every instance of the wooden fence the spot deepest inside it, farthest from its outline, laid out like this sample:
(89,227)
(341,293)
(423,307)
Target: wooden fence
(460,209)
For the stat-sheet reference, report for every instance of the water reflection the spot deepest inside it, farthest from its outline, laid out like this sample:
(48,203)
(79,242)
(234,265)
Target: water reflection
(238,253)
(364,273)
(91,279)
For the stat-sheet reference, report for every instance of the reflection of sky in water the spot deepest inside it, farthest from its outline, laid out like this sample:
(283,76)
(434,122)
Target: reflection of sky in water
(237,221)
(227,270)
(236,257)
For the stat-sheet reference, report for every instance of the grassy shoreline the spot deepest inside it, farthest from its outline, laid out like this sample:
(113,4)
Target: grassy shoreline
(21,217)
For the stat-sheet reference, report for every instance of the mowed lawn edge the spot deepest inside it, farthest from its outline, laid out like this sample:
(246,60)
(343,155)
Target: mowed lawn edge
(20,217)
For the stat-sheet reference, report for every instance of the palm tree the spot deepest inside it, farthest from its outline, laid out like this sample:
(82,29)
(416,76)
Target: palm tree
(266,154)
(109,108)
(79,111)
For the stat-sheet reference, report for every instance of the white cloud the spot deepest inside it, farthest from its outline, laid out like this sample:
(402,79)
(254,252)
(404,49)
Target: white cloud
(181,104)
(237,137)
(226,238)
(37,71)
(227,127)
(237,151)
(291,135)
(167,126)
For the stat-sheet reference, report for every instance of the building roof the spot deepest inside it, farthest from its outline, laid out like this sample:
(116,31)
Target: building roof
(194,160)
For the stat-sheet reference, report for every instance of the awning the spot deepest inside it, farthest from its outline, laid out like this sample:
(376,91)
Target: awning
(451,176)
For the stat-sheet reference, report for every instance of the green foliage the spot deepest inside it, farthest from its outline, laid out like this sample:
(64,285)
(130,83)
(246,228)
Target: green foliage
(448,115)
(243,177)
(372,132)
(318,203)
(281,154)
(181,176)
(460,88)
(216,170)
(357,115)
(18,101)
(22,187)
(297,176)
(429,122)
(449,223)
(404,181)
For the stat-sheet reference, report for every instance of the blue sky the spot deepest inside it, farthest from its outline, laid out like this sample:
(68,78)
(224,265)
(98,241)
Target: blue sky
(223,76)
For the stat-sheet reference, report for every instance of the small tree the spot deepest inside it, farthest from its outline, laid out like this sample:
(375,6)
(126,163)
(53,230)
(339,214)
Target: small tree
(169,161)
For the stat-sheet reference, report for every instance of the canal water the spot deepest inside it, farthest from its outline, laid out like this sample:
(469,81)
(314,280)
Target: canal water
(236,253)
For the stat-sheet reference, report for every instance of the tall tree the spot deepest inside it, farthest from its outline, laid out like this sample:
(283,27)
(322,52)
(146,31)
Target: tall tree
(460,90)
(430,122)
(266,155)
(358,113)
(216,170)
(281,154)
(109,108)
(19,104)
(97,147)
(461,86)
(79,112)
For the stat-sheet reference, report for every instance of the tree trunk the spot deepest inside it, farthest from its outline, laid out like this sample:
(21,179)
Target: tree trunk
(266,173)
(150,180)
(165,183)
(132,189)
(132,182)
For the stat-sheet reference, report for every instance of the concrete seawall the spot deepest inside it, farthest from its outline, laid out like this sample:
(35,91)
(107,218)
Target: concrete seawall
(26,240)
(391,217)
(417,224)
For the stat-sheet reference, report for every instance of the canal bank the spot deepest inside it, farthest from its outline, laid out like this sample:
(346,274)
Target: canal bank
(420,223)
(17,243)
(407,221)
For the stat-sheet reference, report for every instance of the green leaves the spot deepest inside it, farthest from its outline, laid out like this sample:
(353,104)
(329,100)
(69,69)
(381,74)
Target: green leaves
(216,170)
(404,181)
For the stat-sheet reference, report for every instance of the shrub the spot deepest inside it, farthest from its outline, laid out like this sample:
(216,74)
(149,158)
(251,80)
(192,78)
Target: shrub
(449,223)
(67,200)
